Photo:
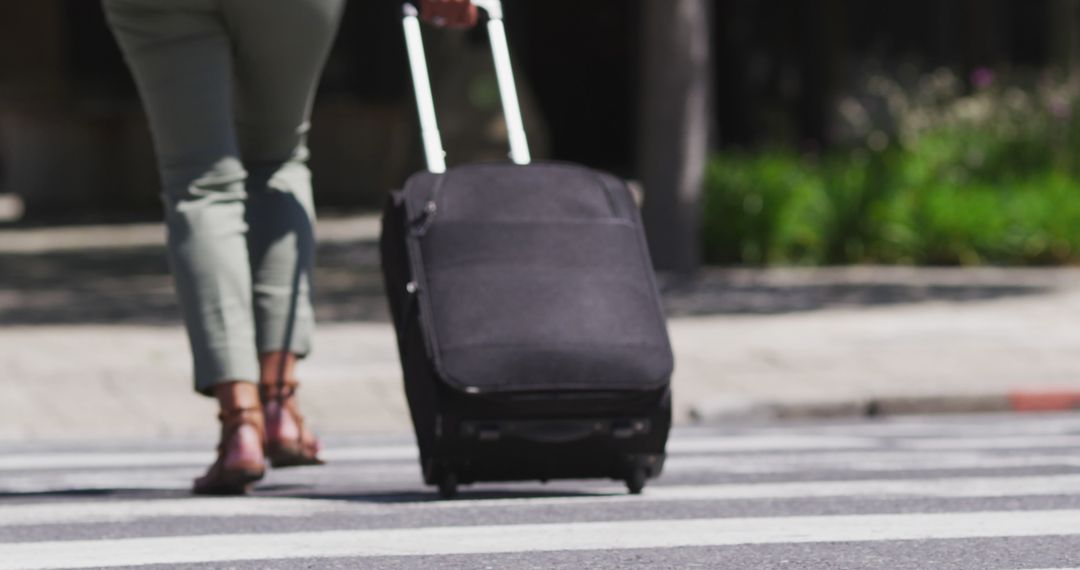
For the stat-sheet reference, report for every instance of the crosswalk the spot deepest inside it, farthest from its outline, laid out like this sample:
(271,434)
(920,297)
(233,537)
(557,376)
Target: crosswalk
(941,492)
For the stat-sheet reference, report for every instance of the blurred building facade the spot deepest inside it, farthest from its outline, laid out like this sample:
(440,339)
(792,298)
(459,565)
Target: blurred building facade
(611,83)
(783,64)
(74,143)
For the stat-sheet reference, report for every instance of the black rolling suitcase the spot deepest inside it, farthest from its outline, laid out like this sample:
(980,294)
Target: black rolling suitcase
(530,330)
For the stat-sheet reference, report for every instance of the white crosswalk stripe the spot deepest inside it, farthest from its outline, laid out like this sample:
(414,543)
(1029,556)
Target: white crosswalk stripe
(127,511)
(753,487)
(527,538)
(899,489)
(41,461)
(757,442)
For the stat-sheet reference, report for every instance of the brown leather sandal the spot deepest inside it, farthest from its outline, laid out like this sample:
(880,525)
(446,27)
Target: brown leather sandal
(280,399)
(238,478)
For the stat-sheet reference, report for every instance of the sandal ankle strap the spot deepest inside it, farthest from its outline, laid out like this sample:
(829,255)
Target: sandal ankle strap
(284,395)
(232,420)
(279,391)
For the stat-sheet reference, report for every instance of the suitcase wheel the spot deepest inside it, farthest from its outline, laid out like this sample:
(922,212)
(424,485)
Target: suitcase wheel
(448,484)
(635,481)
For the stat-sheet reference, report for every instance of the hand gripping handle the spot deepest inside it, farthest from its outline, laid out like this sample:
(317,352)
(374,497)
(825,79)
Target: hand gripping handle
(425,102)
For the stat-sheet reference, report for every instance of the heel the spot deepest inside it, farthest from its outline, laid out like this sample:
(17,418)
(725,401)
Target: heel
(236,479)
(303,450)
(291,454)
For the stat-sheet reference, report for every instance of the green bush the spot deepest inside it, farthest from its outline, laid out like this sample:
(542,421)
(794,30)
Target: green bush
(781,208)
(750,205)
(990,178)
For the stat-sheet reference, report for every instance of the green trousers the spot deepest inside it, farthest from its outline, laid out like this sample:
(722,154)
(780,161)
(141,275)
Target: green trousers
(228,87)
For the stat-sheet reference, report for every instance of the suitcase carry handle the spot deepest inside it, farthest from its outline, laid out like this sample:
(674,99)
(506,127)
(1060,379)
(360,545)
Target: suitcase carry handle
(425,102)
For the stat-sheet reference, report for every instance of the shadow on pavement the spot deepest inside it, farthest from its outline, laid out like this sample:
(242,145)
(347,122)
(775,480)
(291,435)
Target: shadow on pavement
(132,286)
(300,492)
(407,497)
(98,493)
(717,293)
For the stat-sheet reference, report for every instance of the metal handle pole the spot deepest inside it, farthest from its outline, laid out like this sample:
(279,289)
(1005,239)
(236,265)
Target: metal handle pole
(504,71)
(515,126)
(425,102)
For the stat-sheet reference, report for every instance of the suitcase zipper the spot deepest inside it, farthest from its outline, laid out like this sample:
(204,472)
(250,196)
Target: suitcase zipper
(422,224)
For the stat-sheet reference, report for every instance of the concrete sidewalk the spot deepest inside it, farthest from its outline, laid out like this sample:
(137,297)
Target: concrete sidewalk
(92,346)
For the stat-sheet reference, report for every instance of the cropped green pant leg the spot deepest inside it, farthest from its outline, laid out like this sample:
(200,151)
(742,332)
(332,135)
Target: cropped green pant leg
(228,87)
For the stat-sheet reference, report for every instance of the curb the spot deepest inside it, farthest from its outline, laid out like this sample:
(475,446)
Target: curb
(1019,401)
(1049,401)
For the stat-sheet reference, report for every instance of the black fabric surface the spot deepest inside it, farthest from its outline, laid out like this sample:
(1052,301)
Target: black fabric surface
(505,192)
(534,278)
(534,300)
(566,246)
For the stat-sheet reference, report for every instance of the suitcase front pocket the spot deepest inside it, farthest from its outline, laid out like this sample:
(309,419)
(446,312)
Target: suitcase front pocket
(518,307)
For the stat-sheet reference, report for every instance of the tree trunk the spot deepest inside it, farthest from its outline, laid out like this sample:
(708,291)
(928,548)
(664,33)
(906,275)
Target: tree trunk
(675,126)
(1064,37)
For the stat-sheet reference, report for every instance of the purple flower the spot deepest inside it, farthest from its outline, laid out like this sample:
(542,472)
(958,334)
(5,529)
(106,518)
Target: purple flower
(1059,107)
(983,77)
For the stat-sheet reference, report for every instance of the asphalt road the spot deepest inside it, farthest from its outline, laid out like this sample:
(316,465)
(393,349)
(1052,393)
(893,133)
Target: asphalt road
(996,492)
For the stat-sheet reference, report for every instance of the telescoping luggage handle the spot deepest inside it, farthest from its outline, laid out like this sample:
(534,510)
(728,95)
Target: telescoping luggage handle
(425,103)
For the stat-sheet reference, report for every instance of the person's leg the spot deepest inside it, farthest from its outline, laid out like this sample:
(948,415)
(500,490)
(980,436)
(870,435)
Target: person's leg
(181,57)
(280,49)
